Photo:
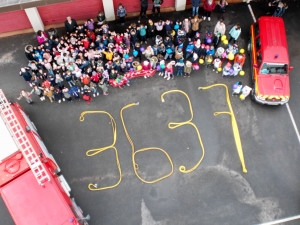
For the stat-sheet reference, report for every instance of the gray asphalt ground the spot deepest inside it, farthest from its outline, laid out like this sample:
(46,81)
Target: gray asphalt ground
(217,192)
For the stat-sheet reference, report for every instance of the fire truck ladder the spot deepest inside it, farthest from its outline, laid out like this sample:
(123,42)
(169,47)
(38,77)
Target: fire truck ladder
(22,141)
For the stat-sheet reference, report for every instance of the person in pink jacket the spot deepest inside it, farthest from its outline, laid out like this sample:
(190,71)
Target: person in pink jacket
(209,6)
(41,37)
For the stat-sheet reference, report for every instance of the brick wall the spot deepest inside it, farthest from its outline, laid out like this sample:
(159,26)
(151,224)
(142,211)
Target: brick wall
(77,9)
(14,20)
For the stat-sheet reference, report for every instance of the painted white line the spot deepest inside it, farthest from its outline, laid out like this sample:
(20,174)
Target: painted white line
(287,105)
(293,121)
(251,11)
(282,220)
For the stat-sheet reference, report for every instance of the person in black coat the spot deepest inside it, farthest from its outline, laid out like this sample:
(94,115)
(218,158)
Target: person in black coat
(70,25)
(144,7)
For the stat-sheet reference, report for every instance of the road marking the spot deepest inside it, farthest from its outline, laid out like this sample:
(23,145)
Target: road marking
(287,105)
(293,121)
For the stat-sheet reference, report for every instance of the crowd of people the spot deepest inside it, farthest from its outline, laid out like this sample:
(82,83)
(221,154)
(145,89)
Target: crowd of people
(90,57)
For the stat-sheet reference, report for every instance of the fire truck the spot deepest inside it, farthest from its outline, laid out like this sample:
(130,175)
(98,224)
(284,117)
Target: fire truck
(31,185)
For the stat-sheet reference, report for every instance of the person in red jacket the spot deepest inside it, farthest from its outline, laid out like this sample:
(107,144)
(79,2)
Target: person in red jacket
(146,66)
(118,39)
(86,43)
(209,6)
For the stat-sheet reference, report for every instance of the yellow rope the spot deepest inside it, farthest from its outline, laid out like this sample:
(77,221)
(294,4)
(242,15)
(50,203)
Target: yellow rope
(235,128)
(134,164)
(95,151)
(173,125)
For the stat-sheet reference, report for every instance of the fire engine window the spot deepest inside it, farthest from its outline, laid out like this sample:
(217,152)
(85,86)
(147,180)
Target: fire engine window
(259,58)
(268,68)
(256,29)
(257,42)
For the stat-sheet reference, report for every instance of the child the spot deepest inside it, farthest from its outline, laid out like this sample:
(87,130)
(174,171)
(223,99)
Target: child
(101,18)
(49,93)
(180,67)
(58,95)
(143,31)
(169,70)
(38,91)
(236,69)
(217,64)
(121,13)
(146,66)
(240,58)
(103,86)
(161,68)
(227,70)
(208,60)
(189,49)
(148,52)
(89,24)
(178,53)
(187,68)
(27,96)
(202,52)
(74,90)
(237,88)
(155,49)
(211,51)
(169,52)
(66,94)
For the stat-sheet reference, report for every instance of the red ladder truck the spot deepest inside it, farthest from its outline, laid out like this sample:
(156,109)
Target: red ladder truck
(30,184)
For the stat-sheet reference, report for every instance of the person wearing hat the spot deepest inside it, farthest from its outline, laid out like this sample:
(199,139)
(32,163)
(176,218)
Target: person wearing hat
(180,67)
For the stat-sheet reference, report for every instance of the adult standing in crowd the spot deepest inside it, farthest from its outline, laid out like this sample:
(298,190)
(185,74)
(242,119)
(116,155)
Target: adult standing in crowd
(156,6)
(144,7)
(70,25)
(209,6)
(121,13)
(234,33)
(195,25)
(222,8)
(195,5)
(219,30)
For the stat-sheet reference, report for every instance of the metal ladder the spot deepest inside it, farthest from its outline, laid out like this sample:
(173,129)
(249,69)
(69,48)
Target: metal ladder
(22,141)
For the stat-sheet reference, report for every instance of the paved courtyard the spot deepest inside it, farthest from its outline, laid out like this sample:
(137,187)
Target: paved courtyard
(217,192)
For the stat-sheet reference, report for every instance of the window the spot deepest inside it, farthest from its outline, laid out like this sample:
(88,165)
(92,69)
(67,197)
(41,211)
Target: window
(256,29)
(258,58)
(272,68)
(257,44)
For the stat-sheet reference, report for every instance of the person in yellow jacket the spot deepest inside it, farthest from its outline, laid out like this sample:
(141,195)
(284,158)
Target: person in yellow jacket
(108,54)
(49,93)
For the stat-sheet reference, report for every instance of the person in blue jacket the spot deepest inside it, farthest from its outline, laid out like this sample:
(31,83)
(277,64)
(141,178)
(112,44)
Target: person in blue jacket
(189,50)
(121,13)
(234,33)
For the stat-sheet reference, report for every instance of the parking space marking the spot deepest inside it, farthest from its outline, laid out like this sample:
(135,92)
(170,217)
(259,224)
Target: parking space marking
(293,121)
(287,105)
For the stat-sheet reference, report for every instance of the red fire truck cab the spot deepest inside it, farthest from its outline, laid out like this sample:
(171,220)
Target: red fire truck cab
(30,186)
(269,61)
